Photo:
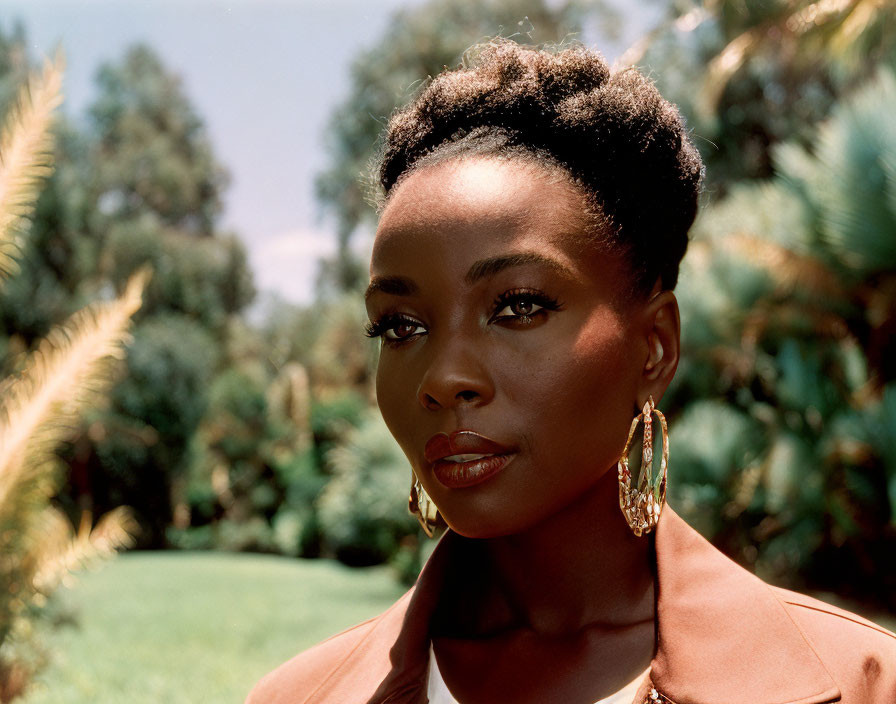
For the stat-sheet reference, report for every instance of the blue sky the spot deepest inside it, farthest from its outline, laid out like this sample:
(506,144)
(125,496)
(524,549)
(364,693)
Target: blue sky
(264,75)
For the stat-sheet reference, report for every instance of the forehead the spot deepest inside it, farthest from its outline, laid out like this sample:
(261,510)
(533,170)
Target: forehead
(466,208)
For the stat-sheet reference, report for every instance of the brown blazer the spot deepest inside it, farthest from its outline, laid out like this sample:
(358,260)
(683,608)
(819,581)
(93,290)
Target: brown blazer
(724,637)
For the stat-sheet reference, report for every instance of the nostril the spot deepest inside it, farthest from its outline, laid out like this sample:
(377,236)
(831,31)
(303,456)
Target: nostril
(467,395)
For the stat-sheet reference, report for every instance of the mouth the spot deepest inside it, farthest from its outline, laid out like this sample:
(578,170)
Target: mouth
(459,474)
(466,458)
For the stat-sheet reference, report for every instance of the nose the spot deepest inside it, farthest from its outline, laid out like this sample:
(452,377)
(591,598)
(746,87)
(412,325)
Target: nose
(455,375)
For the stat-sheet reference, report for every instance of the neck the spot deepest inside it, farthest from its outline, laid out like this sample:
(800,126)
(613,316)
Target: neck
(580,568)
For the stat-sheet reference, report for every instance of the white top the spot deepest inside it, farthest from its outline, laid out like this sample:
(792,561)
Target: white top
(438,693)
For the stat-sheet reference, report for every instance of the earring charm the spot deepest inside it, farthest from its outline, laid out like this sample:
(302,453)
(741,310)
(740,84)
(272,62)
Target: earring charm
(643,504)
(423,507)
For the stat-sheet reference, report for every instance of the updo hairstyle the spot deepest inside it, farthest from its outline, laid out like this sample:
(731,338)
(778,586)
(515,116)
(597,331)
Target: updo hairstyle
(611,132)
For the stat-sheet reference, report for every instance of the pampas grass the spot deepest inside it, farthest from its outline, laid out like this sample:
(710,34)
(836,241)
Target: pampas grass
(40,406)
(26,155)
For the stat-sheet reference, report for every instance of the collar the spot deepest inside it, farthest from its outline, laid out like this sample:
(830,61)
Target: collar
(722,634)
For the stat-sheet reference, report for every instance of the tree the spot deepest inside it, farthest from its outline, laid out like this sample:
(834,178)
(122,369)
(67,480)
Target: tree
(152,153)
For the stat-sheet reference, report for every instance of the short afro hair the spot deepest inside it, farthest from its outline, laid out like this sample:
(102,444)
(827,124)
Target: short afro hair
(612,132)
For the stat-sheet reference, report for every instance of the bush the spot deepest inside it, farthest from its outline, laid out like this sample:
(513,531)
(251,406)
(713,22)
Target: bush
(363,509)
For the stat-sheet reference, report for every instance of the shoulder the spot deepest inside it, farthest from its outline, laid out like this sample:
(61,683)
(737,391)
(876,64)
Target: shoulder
(297,679)
(859,654)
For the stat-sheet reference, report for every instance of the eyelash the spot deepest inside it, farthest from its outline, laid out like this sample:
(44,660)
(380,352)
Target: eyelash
(379,327)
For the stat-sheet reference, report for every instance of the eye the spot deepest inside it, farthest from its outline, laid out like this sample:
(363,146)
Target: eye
(394,329)
(522,305)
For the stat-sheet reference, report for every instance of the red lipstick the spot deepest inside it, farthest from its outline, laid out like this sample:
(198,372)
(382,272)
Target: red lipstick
(465,458)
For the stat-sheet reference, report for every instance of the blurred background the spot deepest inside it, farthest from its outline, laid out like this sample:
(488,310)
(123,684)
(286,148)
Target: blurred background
(223,147)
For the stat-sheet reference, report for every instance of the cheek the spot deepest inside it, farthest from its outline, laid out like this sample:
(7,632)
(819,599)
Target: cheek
(387,395)
(590,399)
(392,400)
(576,372)
(600,349)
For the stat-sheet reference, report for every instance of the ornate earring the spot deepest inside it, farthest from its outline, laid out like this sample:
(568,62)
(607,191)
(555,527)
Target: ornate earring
(423,507)
(642,505)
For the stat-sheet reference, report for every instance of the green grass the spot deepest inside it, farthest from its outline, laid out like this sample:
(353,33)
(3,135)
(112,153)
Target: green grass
(198,627)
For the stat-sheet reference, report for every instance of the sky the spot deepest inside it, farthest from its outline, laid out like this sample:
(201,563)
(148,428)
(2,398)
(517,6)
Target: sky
(264,75)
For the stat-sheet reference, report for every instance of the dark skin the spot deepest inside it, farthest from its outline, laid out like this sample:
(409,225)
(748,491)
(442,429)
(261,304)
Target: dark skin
(556,369)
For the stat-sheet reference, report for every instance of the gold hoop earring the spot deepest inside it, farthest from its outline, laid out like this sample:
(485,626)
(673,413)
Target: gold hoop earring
(642,505)
(423,507)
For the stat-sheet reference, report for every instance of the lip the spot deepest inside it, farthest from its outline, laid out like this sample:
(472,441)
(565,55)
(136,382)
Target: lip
(456,475)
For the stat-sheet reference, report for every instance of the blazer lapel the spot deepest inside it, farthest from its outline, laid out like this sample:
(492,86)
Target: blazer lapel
(723,636)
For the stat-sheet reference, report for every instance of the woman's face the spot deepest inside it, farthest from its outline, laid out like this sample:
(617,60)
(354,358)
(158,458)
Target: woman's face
(498,317)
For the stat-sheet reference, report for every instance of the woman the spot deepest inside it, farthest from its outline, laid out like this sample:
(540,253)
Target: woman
(535,211)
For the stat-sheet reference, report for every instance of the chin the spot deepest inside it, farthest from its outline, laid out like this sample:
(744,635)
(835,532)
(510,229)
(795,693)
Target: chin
(478,531)
(491,524)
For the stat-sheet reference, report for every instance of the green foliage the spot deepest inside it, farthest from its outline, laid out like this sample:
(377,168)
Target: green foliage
(14,64)
(788,304)
(332,418)
(143,441)
(296,525)
(173,353)
(335,355)
(240,400)
(849,180)
(205,279)
(362,520)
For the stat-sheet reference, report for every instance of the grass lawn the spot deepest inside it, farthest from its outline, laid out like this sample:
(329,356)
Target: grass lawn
(194,627)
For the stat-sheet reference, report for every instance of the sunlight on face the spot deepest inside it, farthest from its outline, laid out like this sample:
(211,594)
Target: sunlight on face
(496,313)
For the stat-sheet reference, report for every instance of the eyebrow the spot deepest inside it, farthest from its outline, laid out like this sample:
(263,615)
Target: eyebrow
(484,268)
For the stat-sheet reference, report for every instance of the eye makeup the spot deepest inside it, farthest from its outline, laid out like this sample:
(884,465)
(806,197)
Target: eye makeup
(523,304)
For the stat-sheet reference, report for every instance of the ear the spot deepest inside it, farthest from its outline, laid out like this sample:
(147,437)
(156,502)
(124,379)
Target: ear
(662,334)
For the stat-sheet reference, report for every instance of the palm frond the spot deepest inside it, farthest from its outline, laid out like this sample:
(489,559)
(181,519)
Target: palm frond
(828,16)
(792,319)
(726,63)
(26,154)
(687,22)
(69,368)
(788,269)
(860,22)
